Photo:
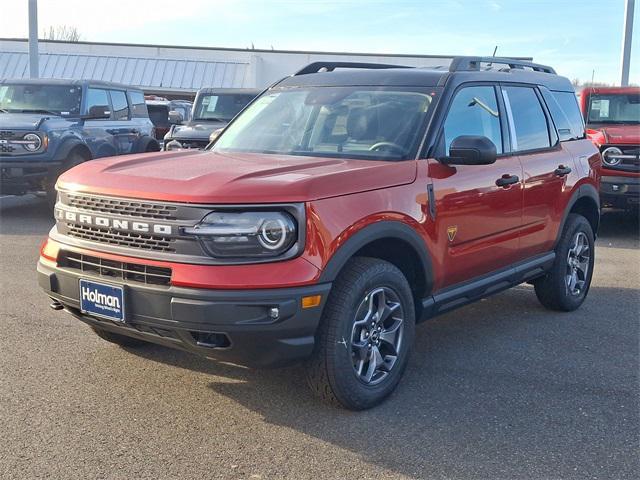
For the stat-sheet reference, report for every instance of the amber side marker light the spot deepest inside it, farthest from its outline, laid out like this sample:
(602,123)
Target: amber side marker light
(48,251)
(311,301)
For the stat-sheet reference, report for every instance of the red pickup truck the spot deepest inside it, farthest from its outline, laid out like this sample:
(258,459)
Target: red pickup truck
(340,208)
(612,117)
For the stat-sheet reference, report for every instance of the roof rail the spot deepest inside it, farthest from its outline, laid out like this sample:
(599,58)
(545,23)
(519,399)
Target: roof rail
(460,64)
(315,67)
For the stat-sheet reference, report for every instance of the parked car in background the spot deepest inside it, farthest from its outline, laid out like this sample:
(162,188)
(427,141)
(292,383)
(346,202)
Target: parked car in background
(213,109)
(49,126)
(160,112)
(612,116)
(335,212)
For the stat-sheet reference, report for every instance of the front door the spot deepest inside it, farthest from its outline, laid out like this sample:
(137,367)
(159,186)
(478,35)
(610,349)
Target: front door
(478,207)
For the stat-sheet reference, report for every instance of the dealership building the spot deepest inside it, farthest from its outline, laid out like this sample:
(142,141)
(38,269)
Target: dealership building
(175,70)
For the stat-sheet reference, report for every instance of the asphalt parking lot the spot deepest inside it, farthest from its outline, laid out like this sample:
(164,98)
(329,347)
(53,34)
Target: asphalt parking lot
(499,389)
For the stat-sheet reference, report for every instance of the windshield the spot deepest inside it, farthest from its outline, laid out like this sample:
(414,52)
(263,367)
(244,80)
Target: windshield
(376,123)
(52,99)
(614,108)
(220,107)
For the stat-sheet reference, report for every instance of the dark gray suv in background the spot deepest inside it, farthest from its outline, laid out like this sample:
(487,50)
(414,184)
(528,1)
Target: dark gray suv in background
(213,109)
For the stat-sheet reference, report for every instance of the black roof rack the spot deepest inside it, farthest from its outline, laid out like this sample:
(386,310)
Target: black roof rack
(461,64)
(315,67)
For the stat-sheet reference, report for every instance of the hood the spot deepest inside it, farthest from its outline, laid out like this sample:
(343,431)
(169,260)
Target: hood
(210,177)
(616,134)
(196,130)
(22,121)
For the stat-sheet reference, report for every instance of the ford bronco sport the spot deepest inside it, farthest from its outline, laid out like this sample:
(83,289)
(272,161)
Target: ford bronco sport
(612,115)
(49,126)
(340,208)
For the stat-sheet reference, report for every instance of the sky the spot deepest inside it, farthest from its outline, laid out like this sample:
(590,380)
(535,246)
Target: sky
(577,38)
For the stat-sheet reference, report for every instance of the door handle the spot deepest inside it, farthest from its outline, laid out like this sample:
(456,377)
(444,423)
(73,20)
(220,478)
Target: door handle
(507,180)
(561,171)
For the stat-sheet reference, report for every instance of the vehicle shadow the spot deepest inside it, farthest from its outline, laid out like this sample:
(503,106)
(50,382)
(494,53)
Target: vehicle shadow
(502,384)
(28,215)
(620,228)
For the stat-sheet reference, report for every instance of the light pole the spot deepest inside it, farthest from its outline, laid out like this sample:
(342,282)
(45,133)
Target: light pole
(626,42)
(33,39)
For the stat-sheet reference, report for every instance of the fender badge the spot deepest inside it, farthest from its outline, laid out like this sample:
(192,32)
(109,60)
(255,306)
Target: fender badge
(451,232)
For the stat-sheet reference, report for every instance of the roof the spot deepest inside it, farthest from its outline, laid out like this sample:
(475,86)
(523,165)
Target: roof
(229,91)
(621,90)
(146,73)
(58,81)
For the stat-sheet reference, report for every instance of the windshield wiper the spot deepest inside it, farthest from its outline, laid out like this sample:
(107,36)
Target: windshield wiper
(212,119)
(40,110)
(4,110)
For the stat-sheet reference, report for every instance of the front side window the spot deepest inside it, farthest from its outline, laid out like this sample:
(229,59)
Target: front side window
(340,122)
(33,98)
(614,108)
(530,130)
(220,107)
(120,105)
(96,97)
(474,111)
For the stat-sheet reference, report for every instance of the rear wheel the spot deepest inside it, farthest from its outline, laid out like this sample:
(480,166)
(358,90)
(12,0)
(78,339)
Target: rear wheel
(121,340)
(365,335)
(566,286)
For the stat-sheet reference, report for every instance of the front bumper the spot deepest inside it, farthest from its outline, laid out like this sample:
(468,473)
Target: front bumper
(620,192)
(229,325)
(19,177)
(188,143)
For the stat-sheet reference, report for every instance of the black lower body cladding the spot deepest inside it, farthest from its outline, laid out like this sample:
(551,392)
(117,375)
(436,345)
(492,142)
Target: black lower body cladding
(257,328)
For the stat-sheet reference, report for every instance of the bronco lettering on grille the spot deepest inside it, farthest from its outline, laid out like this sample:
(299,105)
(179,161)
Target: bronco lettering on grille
(113,223)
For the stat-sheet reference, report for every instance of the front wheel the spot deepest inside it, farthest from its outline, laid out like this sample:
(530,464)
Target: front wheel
(365,335)
(566,285)
(74,159)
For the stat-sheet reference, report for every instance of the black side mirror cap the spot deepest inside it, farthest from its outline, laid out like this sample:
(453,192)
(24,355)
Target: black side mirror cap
(471,150)
(175,117)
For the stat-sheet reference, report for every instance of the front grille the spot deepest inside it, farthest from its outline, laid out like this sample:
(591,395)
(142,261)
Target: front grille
(626,164)
(133,272)
(124,239)
(7,134)
(122,207)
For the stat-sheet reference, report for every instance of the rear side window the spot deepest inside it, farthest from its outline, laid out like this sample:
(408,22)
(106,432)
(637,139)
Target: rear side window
(529,130)
(96,97)
(120,105)
(138,107)
(474,111)
(566,115)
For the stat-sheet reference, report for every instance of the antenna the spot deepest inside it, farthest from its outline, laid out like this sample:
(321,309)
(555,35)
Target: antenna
(494,54)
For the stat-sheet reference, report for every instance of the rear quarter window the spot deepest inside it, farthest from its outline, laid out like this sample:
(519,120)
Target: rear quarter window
(138,106)
(565,113)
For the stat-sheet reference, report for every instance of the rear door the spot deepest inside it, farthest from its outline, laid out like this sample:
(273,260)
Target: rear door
(121,127)
(547,167)
(477,221)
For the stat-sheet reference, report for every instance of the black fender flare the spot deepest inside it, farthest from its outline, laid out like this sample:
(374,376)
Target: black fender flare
(144,142)
(387,229)
(585,190)
(65,149)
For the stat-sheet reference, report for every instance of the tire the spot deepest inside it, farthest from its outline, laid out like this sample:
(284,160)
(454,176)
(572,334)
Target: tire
(72,160)
(118,339)
(340,366)
(574,252)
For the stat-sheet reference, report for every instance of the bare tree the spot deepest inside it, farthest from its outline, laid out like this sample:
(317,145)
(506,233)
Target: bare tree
(67,33)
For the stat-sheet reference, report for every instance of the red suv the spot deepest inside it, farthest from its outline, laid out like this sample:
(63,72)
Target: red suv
(612,115)
(344,205)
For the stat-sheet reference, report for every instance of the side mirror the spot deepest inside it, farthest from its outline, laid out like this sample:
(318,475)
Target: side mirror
(471,150)
(175,117)
(215,134)
(98,112)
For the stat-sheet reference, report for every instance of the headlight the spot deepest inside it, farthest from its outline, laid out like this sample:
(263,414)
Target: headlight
(610,156)
(246,234)
(173,145)
(31,142)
